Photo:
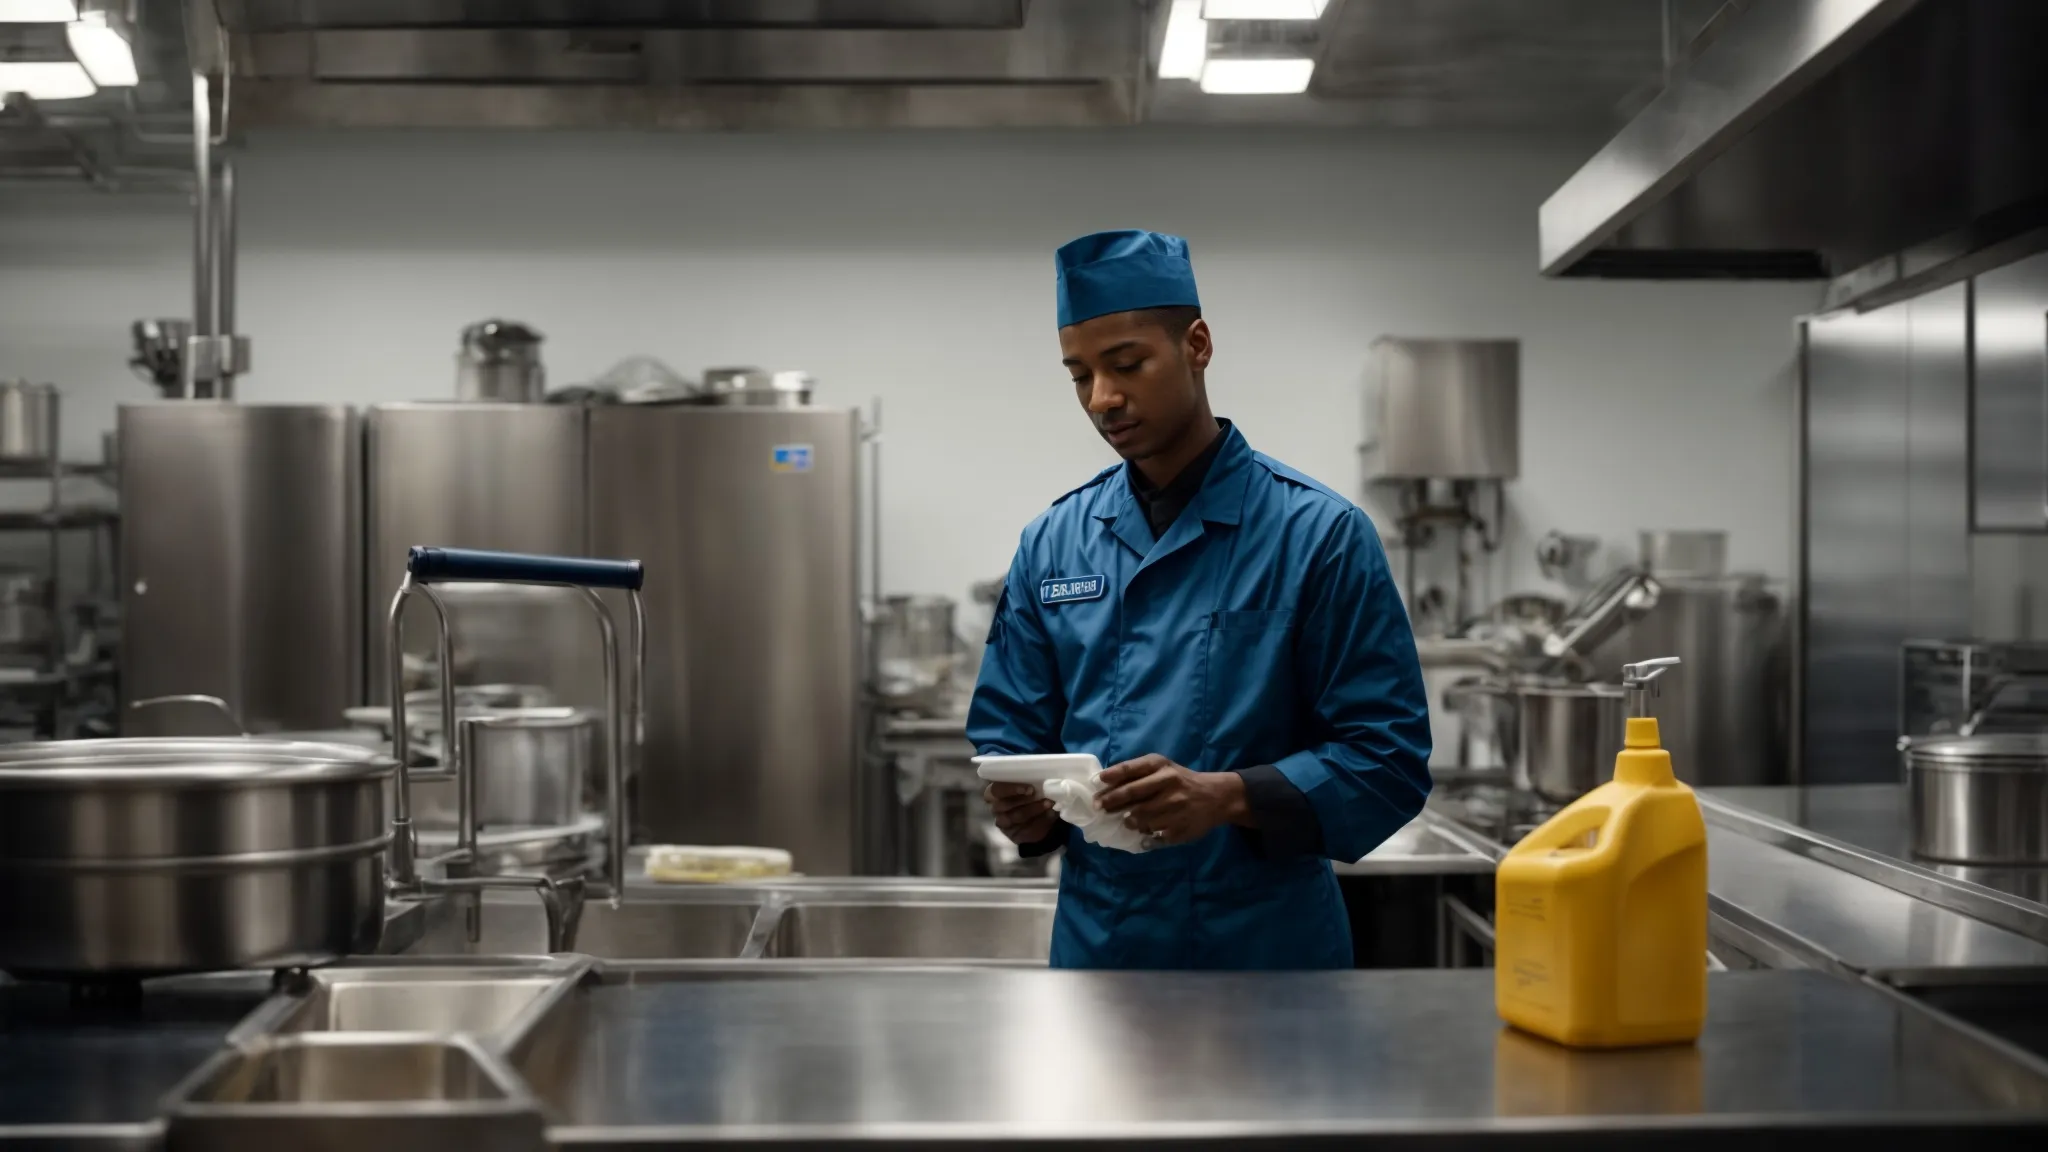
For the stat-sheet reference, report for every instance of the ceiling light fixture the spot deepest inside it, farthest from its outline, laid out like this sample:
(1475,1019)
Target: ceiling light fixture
(1187,42)
(38,11)
(105,53)
(1263,9)
(47,80)
(1270,77)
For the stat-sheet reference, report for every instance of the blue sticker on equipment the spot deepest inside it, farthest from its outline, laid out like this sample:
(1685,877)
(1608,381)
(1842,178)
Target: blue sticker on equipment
(791,458)
(1066,589)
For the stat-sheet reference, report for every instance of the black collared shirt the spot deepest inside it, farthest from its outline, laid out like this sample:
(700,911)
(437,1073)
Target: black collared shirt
(1287,822)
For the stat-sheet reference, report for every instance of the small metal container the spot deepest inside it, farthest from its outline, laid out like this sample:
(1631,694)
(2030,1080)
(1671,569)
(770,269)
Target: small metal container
(756,388)
(24,609)
(145,856)
(1979,799)
(1568,738)
(28,422)
(500,362)
(915,651)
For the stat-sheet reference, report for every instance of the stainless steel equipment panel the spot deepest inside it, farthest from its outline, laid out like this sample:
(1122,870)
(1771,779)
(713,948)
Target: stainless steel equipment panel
(746,519)
(508,477)
(2010,425)
(1443,409)
(241,544)
(1884,518)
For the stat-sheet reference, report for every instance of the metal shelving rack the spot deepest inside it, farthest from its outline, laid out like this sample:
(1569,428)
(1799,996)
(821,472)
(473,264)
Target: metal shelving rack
(47,691)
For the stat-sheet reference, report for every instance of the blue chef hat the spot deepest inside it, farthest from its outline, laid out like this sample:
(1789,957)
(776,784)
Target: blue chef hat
(1123,271)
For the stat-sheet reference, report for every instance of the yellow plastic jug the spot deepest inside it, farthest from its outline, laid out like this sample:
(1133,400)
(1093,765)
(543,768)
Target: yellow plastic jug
(1600,915)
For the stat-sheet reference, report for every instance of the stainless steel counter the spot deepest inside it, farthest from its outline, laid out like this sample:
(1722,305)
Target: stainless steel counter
(655,1057)
(88,1068)
(1873,817)
(1826,917)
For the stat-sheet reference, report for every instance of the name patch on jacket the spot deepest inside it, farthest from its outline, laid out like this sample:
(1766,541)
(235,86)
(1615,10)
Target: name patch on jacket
(1065,589)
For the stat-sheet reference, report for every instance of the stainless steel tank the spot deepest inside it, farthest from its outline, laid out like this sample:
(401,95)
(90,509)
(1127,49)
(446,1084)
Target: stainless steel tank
(241,555)
(505,477)
(1726,717)
(746,517)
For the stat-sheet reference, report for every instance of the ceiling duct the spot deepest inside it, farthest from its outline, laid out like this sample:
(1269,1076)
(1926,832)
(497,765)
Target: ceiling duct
(1886,145)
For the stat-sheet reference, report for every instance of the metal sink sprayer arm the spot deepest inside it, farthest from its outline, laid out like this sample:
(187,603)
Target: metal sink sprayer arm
(425,567)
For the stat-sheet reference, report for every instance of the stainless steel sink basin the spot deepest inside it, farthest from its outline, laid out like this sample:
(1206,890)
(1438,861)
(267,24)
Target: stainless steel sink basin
(653,924)
(355,1090)
(476,1001)
(352,1070)
(907,929)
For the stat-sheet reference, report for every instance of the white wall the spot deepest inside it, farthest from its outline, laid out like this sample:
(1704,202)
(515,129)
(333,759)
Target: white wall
(917,268)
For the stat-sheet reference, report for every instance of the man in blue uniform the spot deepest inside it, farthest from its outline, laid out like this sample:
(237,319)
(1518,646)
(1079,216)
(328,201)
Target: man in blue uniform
(1219,629)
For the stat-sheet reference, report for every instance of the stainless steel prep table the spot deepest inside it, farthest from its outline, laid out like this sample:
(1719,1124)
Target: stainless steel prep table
(655,1056)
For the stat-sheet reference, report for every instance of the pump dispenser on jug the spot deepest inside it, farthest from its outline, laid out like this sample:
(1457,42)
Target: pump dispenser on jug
(1600,914)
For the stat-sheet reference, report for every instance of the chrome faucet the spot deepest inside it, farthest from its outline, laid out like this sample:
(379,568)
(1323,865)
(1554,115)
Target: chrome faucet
(1639,680)
(562,899)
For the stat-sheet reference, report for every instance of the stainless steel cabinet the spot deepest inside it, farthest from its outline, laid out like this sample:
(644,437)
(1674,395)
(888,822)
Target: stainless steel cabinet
(746,519)
(2010,429)
(504,476)
(1884,520)
(241,545)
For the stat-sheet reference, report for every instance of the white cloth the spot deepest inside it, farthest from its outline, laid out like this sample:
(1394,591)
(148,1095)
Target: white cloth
(1074,801)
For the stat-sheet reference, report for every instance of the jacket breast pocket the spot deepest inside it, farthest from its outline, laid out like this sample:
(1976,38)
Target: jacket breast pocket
(1248,686)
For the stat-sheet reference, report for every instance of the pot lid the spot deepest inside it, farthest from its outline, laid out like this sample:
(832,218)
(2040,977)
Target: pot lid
(185,761)
(2019,750)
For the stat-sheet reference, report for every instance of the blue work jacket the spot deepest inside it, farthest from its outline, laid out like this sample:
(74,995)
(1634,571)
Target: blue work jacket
(1262,629)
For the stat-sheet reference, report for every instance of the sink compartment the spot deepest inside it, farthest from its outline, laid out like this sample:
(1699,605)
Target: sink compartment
(480,1002)
(900,929)
(392,1092)
(653,924)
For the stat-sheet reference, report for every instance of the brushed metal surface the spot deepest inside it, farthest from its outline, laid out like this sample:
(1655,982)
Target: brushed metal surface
(169,855)
(1847,924)
(1157,1056)
(752,586)
(2010,424)
(1885,520)
(508,477)
(241,553)
(1443,409)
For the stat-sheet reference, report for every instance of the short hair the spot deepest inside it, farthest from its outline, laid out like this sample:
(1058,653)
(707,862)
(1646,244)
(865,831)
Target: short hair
(1175,318)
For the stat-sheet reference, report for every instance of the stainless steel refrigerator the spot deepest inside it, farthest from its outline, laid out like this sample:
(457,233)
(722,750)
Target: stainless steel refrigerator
(241,550)
(747,520)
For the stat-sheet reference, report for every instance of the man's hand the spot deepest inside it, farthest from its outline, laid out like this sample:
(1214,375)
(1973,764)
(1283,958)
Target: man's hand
(1155,795)
(1021,813)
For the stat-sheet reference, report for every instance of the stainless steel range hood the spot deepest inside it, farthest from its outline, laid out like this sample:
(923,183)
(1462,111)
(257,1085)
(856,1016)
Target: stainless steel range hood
(1886,145)
(686,64)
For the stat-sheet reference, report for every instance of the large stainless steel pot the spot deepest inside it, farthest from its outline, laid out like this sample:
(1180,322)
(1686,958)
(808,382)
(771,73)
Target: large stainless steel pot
(28,422)
(150,855)
(1568,738)
(1979,799)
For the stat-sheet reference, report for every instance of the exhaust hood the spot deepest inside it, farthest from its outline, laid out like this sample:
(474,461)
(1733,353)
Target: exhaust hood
(1887,146)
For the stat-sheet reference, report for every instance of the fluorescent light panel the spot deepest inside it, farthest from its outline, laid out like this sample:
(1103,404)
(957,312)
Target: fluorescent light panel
(38,11)
(1187,42)
(1263,9)
(1256,77)
(47,80)
(103,50)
